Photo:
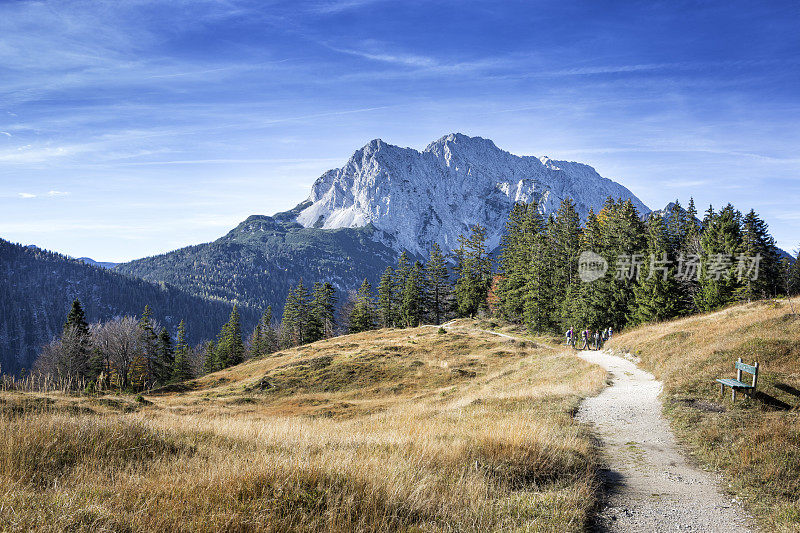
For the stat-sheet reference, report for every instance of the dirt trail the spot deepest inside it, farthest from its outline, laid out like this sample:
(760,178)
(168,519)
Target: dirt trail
(650,485)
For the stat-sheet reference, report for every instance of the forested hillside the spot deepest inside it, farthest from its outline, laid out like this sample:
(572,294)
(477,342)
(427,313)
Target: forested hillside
(37,288)
(259,261)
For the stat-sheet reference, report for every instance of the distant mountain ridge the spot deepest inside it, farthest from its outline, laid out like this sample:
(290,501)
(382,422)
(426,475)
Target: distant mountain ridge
(358,218)
(38,286)
(101,264)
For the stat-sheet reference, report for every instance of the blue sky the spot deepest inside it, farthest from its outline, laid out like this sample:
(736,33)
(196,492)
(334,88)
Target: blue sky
(133,128)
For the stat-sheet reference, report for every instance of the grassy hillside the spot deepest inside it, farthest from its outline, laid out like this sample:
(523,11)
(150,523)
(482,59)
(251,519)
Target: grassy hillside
(755,442)
(410,430)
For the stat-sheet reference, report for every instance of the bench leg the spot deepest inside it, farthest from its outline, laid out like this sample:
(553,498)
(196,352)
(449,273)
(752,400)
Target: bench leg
(722,390)
(734,393)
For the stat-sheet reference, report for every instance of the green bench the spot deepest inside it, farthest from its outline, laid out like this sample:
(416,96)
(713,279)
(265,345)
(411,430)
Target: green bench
(738,384)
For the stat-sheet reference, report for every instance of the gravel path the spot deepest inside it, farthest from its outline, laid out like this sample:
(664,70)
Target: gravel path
(650,485)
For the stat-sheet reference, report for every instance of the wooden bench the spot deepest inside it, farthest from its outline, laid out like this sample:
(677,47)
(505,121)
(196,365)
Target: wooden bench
(738,384)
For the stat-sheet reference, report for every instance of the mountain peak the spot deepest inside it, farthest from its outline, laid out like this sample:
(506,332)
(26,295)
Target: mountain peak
(461,140)
(415,198)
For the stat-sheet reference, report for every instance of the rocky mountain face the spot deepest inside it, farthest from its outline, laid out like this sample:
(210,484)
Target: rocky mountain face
(415,198)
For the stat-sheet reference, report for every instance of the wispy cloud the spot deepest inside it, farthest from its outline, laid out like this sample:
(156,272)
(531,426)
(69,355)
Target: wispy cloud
(26,195)
(56,194)
(6,133)
(410,60)
(338,6)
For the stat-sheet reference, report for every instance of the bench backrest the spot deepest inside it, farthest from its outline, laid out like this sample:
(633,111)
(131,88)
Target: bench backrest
(750,369)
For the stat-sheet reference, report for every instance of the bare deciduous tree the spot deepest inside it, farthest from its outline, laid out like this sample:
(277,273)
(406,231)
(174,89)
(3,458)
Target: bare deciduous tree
(119,343)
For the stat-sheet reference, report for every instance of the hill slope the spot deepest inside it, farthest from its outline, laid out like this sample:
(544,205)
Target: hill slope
(754,441)
(37,288)
(403,430)
(260,260)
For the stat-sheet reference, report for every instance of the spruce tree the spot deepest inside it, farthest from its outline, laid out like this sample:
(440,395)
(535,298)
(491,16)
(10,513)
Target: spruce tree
(412,303)
(256,342)
(565,248)
(758,267)
(539,297)
(322,313)
(400,275)
(296,315)
(515,258)
(182,369)
(166,357)
(236,345)
(721,243)
(437,283)
(222,348)
(386,299)
(362,317)
(656,292)
(269,335)
(76,345)
(230,347)
(147,365)
(474,270)
(209,357)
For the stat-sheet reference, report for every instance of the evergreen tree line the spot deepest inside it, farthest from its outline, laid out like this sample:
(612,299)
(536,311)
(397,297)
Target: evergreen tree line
(659,268)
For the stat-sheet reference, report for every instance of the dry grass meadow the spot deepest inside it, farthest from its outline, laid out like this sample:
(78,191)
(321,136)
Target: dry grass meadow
(755,442)
(405,430)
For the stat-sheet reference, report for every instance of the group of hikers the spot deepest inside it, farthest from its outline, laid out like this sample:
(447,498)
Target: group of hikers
(592,340)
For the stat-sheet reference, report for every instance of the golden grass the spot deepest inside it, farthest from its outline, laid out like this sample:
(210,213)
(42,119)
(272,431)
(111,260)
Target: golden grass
(754,442)
(405,430)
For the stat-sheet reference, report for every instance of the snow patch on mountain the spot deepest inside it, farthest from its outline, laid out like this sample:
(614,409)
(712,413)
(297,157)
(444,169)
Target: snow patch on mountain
(415,198)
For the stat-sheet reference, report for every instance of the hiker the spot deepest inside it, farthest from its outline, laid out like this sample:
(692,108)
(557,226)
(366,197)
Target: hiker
(585,336)
(609,332)
(572,336)
(596,340)
(569,336)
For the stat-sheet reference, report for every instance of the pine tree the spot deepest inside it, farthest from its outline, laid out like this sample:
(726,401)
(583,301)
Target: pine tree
(235,345)
(565,245)
(146,367)
(322,319)
(182,369)
(758,250)
(515,258)
(209,357)
(386,300)
(230,347)
(400,275)
(580,308)
(474,270)
(296,315)
(362,317)
(412,303)
(165,359)
(437,283)
(720,243)
(269,337)
(656,293)
(256,342)
(539,296)
(622,243)
(76,343)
